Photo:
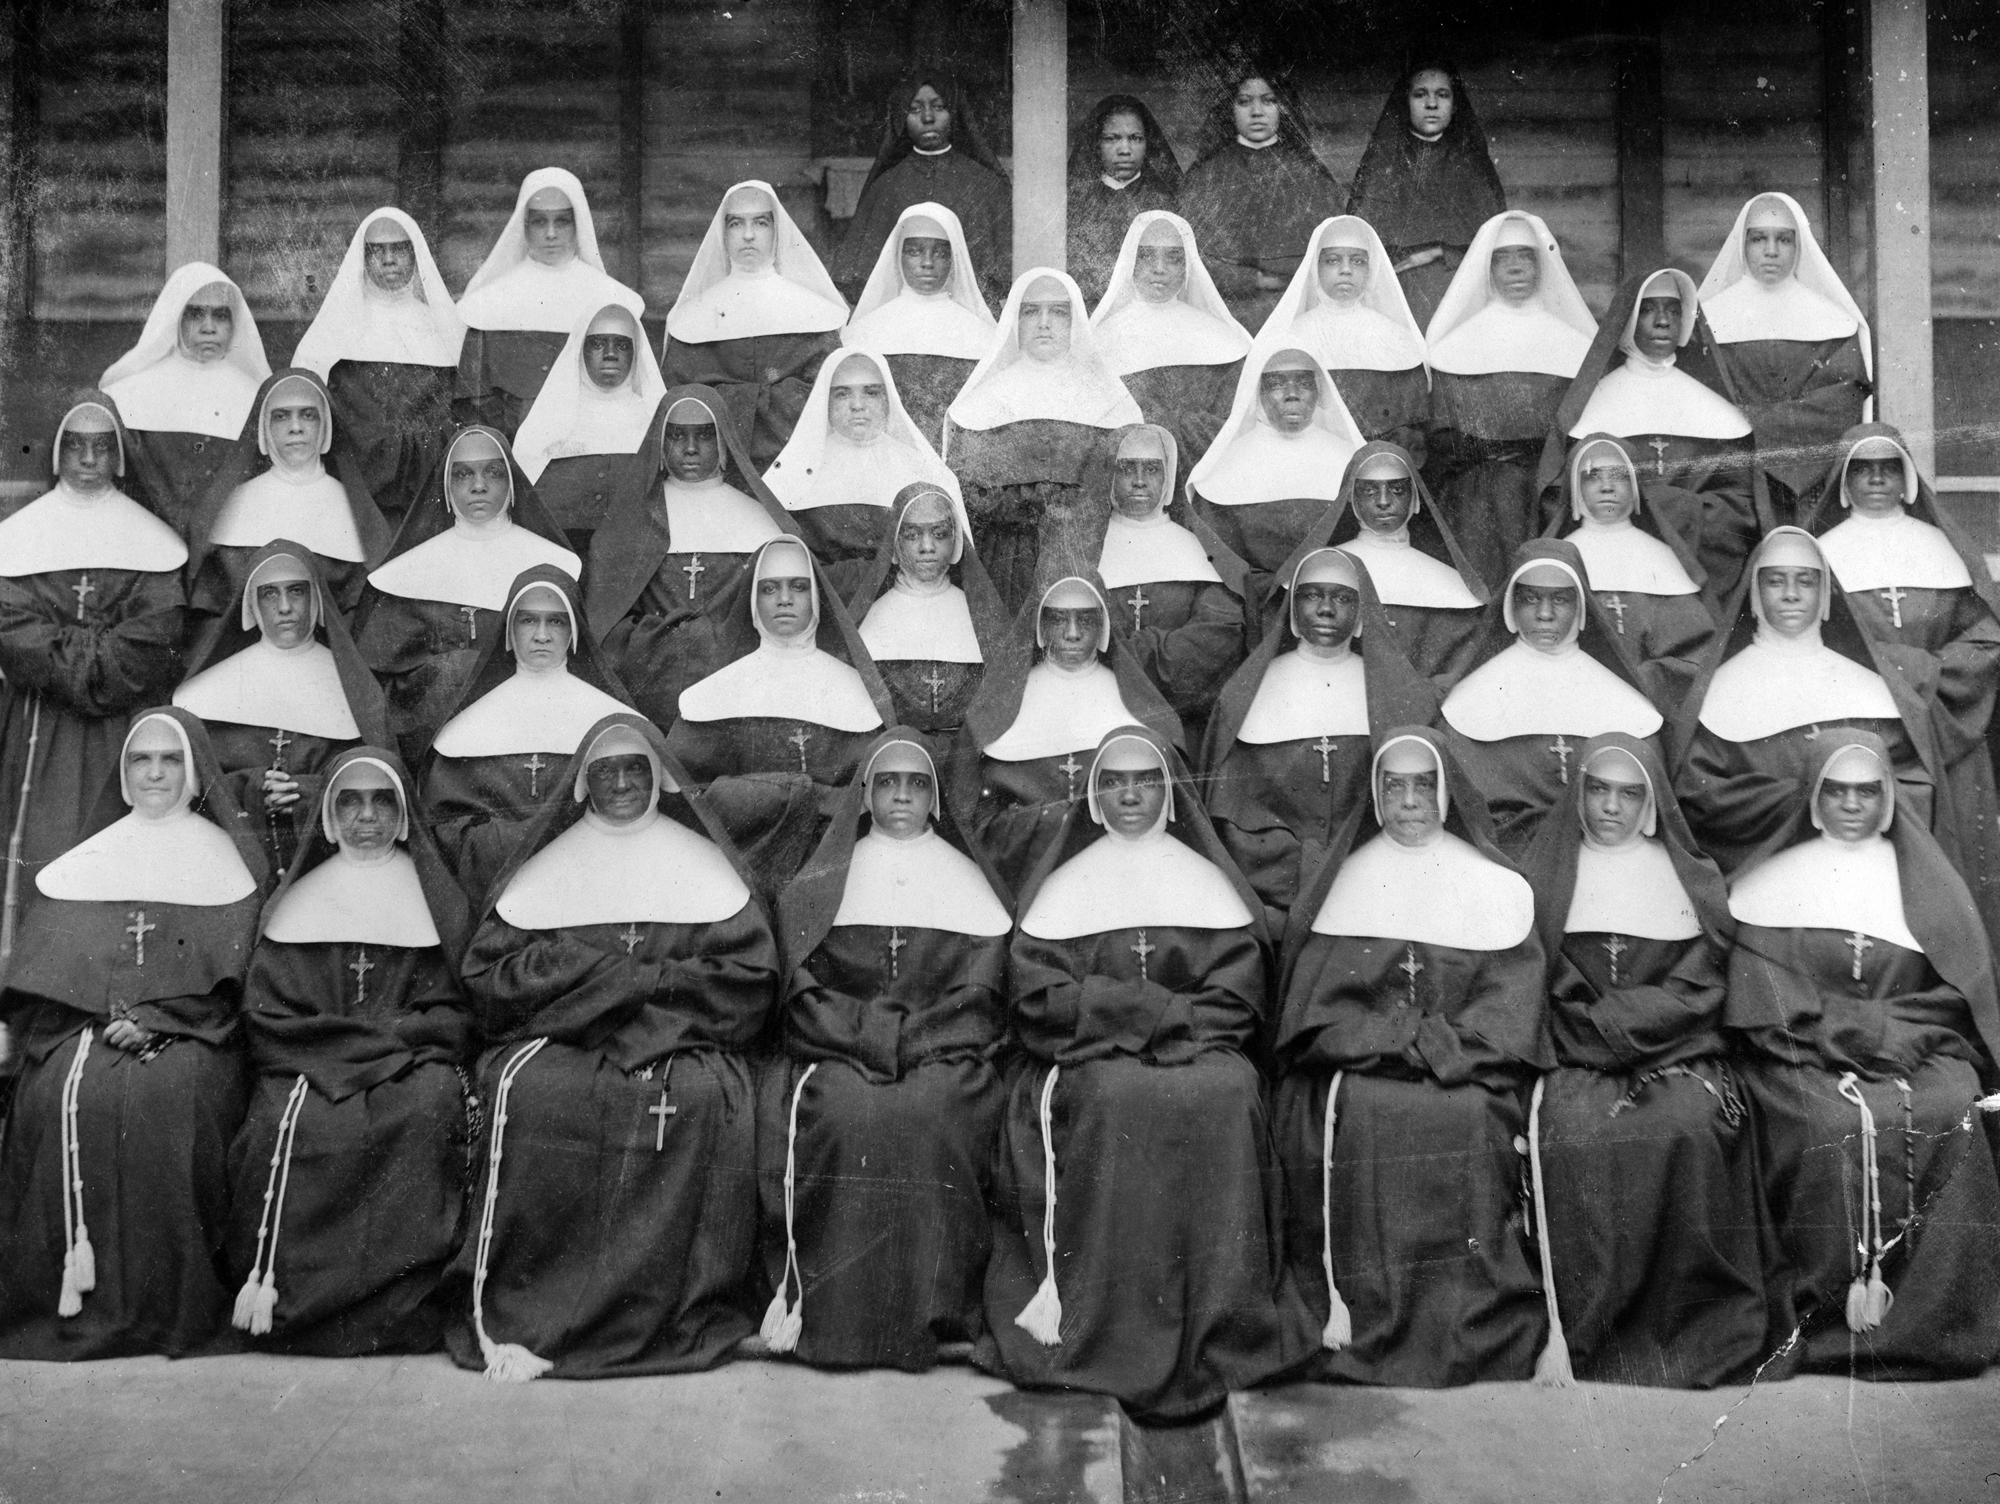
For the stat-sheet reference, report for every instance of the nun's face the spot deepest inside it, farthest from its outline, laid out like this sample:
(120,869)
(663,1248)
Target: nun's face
(1382,504)
(1852,811)
(1256,111)
(86,462)
(1517,273)
(1289,399)
(389,264)
(1789,595)
(292,426)
(1131,799)
(1657,331)
(1070,633)
(1325,612)
(540,629)
(858,401)
(549,226)
(478,479)
(1608,490)
(1121,146)
(1431,103)
(620,787)
(1612,809)
(926,261)
(208,325)
(1409,805)
(784,605)
(1343,273)
(749,230)
(927,122)
(1159,265)
(607,359)
(925,538)
(285,612)
(1770,251)
(155,769)
(901,803)
(1875,486)
(1139,482)
(366,819)
(692,451)
(1545,608)
(1044,328)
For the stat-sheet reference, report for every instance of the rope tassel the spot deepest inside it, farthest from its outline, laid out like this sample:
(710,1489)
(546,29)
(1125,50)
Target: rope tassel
(506,1362)
(1552,1368)
(1041,1317)
(79,1276)
(783,1323)
(1339,1329)
(1869,1296)
(257,1302)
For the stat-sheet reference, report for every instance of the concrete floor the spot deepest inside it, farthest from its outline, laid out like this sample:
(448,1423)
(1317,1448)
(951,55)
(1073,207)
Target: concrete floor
(261,1430)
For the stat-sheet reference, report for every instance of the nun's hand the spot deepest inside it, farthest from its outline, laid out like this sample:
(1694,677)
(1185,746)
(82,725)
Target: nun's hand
(281,790)
(123,1034)
(1271,282)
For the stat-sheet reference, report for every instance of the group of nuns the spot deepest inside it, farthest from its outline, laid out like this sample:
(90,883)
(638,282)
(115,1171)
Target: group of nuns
(1150,857)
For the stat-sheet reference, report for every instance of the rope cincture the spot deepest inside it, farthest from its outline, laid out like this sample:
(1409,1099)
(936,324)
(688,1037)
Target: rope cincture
(1339,1329)
(79,1276)
(257,1301)
(506,1362)
(1041,1317)
(1869,1296)
(1552,1368)
(783,1323)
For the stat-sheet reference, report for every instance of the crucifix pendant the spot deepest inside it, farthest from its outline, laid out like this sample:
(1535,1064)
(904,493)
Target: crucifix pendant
(1324,746)
(361,966)
(534,765)
(138,929)
(631,936)
(471,615)
(82,590)
(661,1111)
(1139,604)
(1143,950)
(1562,749)
(934,681)
(1616,607)
(1860,944)
(1069,770)
(694,569)
(896,943)
(1614,947)
(799,738)
(279,742)
(1894,596)
(1409,966)
(1659,447)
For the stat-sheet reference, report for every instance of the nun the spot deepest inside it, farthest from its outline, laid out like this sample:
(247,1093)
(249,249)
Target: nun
(1862,995)
(282,690)
(122,1002)
(386,341)
(1410,1031)
(930,618)
(1505,343)
(92,616)
(1165,331)
(756,315)
(1791,342)
(185,391)
(1121,165)
(922,310)
(1135,1244)
(619,971)
(1651,1216)
(445,581)
(543,275)
(880,1119)
(1029,438)
(682,528)
(589,420)
(539,685)
(349,1171)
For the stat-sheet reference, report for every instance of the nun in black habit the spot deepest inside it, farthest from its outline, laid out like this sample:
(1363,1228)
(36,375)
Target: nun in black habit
(1120,165)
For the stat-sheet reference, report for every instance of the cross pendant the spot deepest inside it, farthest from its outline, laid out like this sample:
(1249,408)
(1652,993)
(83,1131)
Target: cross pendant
(361,966)
(1562,749)
(1614,947)
(82,590)
(1143,950)
(1860,944)
(693,569)
(1659,447)
(661,1110)
(631,937)
(1069,770)
(1616,607)
(799,738)
(1894,596)
(896,943)
(471,615)
(933,681)
(278,744)
(1324,746)
(534,765)
(1409,966)
(138,929)
(1139,605)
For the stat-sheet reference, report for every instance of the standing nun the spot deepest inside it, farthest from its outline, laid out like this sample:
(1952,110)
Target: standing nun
(1121,165)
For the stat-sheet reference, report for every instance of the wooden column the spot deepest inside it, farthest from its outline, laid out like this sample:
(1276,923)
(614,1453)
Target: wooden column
(1899,63)
(424,115)
(632,139)
(195,57)
(1041,133)
(1640,106)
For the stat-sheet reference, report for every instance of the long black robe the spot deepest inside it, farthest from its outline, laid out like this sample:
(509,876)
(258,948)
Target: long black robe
(1190,402)
(982,199)
(1254,213)
(1484,448)
(928,384)
(1099,217)
(175,470)
(763,380)
(396,417)
(1038,493)
(1800,397)
(500,373)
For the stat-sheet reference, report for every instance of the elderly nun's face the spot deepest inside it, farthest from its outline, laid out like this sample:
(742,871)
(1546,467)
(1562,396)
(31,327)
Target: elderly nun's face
(292,425)
(208,324)
(548,223)
(1139,477)
(1657,331)
(1874,484)
(926,262)
(924,539)
(1159,264)
(1343,272)
(858,400)
(1606,486)
(784,603)
(365,819)
(1517,273)
(155,768)
(749,230)
(87,455)
(1407,787)
(1613,806)
(391,261)
(620,786)
(478,478)
(1431,103)
(540,628)
(1546,602)
(1789,594)
(1070,633)
(901,801)
(1852,809)
(284,611)
(1131,798)
(1044,328)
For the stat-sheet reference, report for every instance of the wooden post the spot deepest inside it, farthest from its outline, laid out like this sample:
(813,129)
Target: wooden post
(195,57)
(424,116)
(1640,105)
(632,138)
(1899,64)
(1041,133)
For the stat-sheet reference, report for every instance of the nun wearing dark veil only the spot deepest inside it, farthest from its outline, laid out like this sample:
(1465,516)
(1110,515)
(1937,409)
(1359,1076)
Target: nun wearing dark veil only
(879,1119)
(1120,164)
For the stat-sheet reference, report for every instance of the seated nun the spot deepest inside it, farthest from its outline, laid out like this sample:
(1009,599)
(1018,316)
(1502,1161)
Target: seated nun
(350,1168)
(1135,1129)
(1791,342)
(923,312)
(1862,996)
(539,685)
(1432,598)
(282,690)
(1345,308)
(92,617)
(1065,679)
(773,733)
(682,529)
(756,315)
(1792,665)
(1166,332)
(543,275)
(621,971)
(1029,437)
(1278,460)
(930,618)
(1175,588)
(1643,575)
(879,1137)
(589,419)
(1503,347)
(1650,379)
(854,449)
(446,581)
(1289,746)
(291,476)
(122,1001)
(1521,715)
(386,341)
(185,391)
(1121,165)
(1639,1139)
(1410,1029)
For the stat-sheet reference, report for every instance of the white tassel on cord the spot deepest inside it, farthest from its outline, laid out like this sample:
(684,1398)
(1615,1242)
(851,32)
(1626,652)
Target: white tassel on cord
(506,1362)
(1552,1368)
(783,1323)
(79,1275)
(1869,1296)
(1041,1317)
(257,1301)
(1339,1329)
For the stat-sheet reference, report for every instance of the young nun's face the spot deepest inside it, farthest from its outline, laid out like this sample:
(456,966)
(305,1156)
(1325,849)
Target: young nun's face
(549,225)
(155,769)
(478,479)
(1612,807)
(389,264)
(1409,799)
(1608,490)
(1138,479)
(1121,146)
(1159,265)
(1256,111)
(1431,103)
(1343,273)
(927,122)
(1874,485)
(858,401)
(1289,398)
(1545,606)
(784,604)
(607,359)
(1851,811)
(1657,331)
(1770,249)
(1070,633)
(1044,328)
(1384,499)
(620,787)
(292,426)
(86,461)
(1325,611)
(1789,595)
(926,261)
(1517,273)
(749,230)
(692,451)
(540,629)
(901,803)
(365,819)
(284,611)
(208,324)
(1131,799)
(924,539)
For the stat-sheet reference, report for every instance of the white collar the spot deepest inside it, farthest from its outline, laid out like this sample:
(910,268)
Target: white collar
(294,689)
(1301,697)
(1141,882)
(529,297)
(1062,712)
(182,859)
(1523,691)
(311,509)
(1508,337)
(1151,549)
(1404,575)
(1620,557)
(1630,890)
(910,625)
(347,902)
(65,529)
(1644,396)
(1878,553)
(1825,884)
(1386,891)
(785,684)
(1775,684)
(653,871)
(923,883)
(464,566)
(1747,310)
(178,395)
(1355,337)
(710,517)
(527,713)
